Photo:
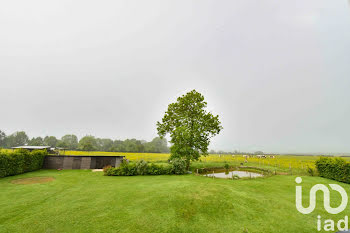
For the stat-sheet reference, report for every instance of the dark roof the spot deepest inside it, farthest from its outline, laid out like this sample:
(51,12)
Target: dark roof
(32,147)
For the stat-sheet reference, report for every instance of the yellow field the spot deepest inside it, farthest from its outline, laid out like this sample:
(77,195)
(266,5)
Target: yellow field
(151,157)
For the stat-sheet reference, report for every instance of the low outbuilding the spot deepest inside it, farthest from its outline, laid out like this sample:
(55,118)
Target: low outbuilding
(81,162)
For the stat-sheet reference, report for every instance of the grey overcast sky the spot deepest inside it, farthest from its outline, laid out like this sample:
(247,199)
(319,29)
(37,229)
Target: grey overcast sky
(277,72)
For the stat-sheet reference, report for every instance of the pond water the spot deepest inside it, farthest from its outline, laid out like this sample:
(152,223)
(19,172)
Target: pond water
(230,174)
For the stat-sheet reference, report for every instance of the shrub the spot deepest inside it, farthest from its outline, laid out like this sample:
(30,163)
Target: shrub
(20,161)
(227,166)
(310,171)
(178,166)
(105,168)
(110,171)
(334,168)
(127,169)
(155,169)
(141,167)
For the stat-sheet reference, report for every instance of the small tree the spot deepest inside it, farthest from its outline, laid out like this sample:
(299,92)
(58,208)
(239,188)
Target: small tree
(190,127)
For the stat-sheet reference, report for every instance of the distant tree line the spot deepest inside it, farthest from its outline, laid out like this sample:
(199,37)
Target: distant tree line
(236,152)
(87,143)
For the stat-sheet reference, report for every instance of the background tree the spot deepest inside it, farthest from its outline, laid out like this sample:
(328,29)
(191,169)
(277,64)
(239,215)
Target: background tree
(50,141)
(157,145)
(259,152)
(88,143)
(2,139)
(133,145)
(38,141)
(118,146)
(69,141)
(190,127)
(17,139)
(104,144)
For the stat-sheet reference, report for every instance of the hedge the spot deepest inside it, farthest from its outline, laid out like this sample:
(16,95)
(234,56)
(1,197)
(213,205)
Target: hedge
(334,168)
(177,166)
(20,161)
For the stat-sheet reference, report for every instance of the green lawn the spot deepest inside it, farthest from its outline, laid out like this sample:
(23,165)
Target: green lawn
(83,201)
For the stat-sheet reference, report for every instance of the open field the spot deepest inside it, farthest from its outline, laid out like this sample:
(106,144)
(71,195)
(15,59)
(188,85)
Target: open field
(280,162)
(84,201)
(290,164)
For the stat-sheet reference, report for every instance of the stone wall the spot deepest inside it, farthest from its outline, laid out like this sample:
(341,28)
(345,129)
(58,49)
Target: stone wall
(80,162)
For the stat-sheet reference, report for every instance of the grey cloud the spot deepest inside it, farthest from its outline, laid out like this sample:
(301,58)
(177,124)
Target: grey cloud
(276,72)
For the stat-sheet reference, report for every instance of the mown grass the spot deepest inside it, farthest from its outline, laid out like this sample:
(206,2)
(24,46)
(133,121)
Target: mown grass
(84,201)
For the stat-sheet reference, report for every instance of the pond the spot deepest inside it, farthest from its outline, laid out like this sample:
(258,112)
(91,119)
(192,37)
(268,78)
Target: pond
(230,174)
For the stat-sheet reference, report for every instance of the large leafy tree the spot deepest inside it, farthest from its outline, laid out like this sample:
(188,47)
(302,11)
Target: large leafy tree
(190,126)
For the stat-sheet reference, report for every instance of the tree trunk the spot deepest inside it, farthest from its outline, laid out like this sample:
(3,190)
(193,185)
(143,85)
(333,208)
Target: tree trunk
(188,162)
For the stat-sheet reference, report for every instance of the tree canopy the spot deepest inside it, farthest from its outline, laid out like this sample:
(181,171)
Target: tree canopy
(17,139)
(68,141)
(190,126)
(50,141)
(87,143)
(38,141)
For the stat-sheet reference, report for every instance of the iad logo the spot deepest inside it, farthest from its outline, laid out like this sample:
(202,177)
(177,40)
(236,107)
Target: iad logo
(329,224)
(326,198)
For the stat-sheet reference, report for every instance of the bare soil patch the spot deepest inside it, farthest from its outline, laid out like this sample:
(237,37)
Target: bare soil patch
(33,180)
